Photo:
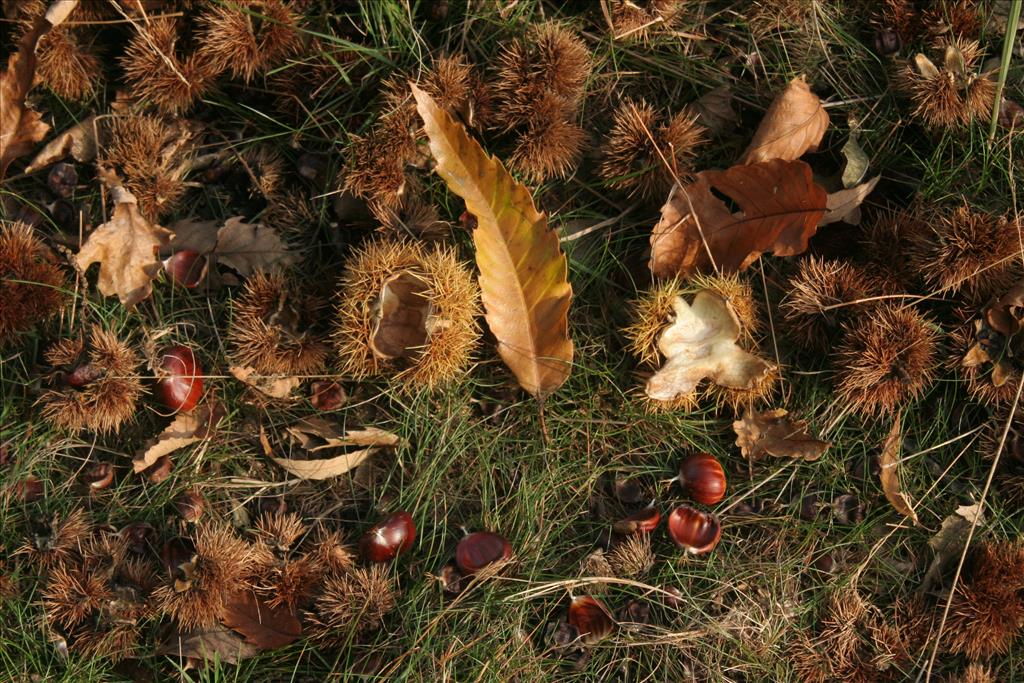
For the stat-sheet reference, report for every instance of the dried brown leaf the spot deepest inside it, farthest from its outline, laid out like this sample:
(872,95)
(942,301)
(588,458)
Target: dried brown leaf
(126,247)
(701,344)
(772,433)
(248,247)
(523,271)
(20,127)
(216,642)
(794,123)
(889,462)
(714,110)
(274,386)
(79,141)
(316,434)
(780,206)
(187,429)
(949,541)
(844,205)
(265,627)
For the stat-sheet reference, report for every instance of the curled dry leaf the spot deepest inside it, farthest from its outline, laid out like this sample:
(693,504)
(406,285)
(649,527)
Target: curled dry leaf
(187,429)
(273,386)
(317,434)
(780,206)
(857,162)
(264,627)
(79,141)
(772,433)
(523,271)
(20,127)
(243,247)
(126,247)
(844,205)
(948,543)
(714,110)
(699,344)
(889,462)
(794,123)
(217,642)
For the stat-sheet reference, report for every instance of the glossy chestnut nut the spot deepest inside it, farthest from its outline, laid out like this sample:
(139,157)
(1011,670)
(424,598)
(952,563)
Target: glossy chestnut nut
(186,268)
(696,531)
(99,476)
(479,549)
(181,382)
(190,505)
(643,522)
(702,477)
(590,618)
(388,538)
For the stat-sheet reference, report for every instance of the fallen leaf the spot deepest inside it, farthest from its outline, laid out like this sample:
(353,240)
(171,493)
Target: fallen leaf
(274,386)
(196,235)
(700,344)
(714,110)
(948,543)
(857,162)
(780,206)
(217,642)
(126,247)
(844,205)
(315,434)
(771,433)
(523,271)
(79,141)
(20,127)
(889,462)
(794,123)
(248,247)
(264,627)
(187,429)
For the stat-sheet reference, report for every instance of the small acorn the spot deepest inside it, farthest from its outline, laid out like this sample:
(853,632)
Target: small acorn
(388,538)
(181,383)
(702,477)
(696,531)
(479,549)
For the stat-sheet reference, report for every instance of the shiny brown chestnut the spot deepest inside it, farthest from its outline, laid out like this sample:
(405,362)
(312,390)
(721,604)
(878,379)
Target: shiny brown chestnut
(591,619)
(186,268)
(479,549)
(99,476)
(181,379)
(696,531)
(190,505)
(388,538)
(641,522)
(702,477)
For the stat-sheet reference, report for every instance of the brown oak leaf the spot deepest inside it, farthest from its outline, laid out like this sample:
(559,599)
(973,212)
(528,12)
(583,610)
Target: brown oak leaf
(79,141)
(217,642)
(126,247)
(187,429)
(779,203)
(889,462)
(248,247)
(794,123)
(701,344)
(264,627)
(772,433)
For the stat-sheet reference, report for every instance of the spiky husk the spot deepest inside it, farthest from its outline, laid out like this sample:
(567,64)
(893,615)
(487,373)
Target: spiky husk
(450,82)
(333,552)
(157,71)
(898,639)
(266,168)
(61,543)
(353,603)
(987,611)
(758,395)
(968,252)
(272,327)
(885,243)
(817,286)
(375,162)
(547,148)
(455,300)
(738,293)
(103,404)
(247,37)
(950,99)
(67,65)
(974,673)
(640,20)
(632,558)
(280,531)
(978,378)
(644,156)
(413,216)
(947,20)
(313,71)
(899,16)
(31,283)
(222,563)
(293,215)
(652,312)
(885,359)
(152,155)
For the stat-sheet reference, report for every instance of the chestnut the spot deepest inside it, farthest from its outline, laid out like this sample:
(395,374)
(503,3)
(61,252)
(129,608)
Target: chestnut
(388,538)
(590,618)
(644,521)
(702,477)
(190,505)
(99,476)
(479,549)
(186,268)
(181,379)
(696,531)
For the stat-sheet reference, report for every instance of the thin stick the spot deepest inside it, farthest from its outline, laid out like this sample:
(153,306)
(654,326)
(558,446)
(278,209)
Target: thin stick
(1004,65)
